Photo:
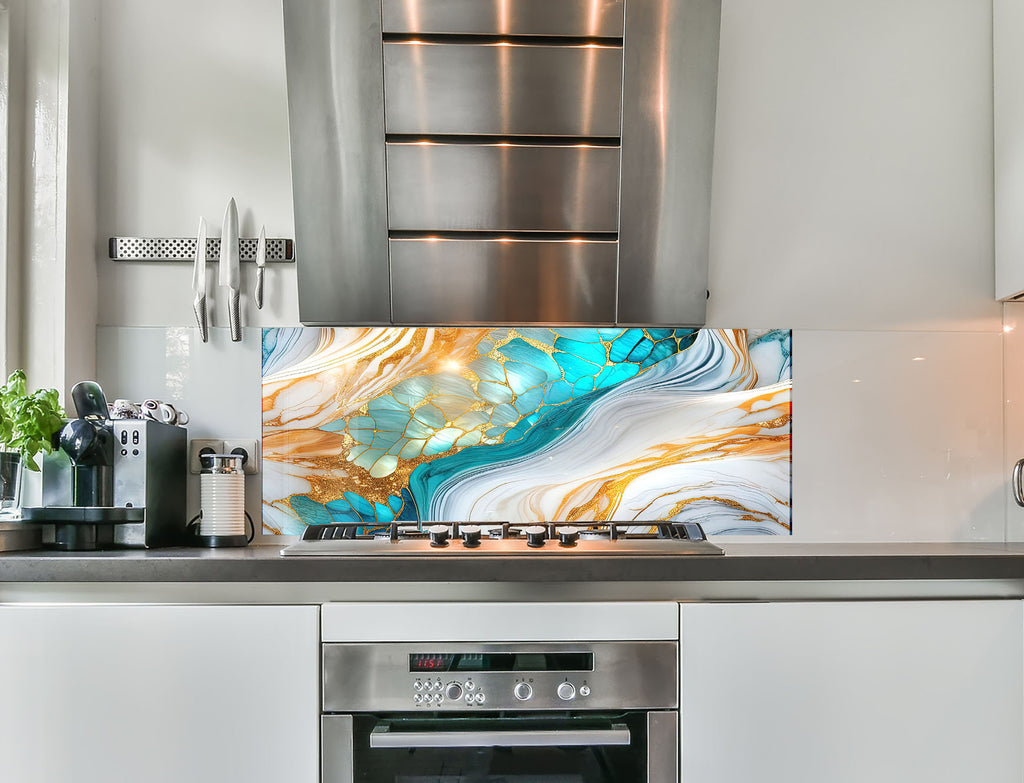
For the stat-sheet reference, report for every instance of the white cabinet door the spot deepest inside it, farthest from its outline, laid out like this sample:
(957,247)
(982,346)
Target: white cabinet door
(159,694)
(877,692)
(1008,119)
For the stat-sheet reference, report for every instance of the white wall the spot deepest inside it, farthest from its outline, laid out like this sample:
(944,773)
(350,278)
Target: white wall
(852,202)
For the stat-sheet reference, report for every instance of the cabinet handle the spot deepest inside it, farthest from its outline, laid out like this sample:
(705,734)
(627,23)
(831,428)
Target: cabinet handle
(1018,490)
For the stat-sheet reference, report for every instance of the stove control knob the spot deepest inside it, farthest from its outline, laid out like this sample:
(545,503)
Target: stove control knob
(566,691)
(453,691)
(568,535)
(522,691)
(438,535)
(470,535)
(535,535)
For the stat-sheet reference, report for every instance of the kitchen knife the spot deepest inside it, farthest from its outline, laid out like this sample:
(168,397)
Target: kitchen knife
(199,282)
(261,262)
(229,276)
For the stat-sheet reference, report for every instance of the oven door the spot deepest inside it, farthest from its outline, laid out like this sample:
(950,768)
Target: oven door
(630,747)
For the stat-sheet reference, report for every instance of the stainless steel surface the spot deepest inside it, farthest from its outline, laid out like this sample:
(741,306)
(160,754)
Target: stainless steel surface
(376,677)
(493,281)
(18,536)
(335,78)
(670,81)
(261,262)
(199,282)
(150,468)
(502,187)
(228,268)
(336,748)
(501,548)
(221,463)
(592,18)
(662,747)
(383,737)
(463,80)
(452,88)
(169,249)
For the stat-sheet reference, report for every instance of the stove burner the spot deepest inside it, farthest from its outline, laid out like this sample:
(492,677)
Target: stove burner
(503,538)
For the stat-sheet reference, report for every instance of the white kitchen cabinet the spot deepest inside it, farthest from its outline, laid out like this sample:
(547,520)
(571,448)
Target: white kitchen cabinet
(159,694)
(1008,151)
(852,692)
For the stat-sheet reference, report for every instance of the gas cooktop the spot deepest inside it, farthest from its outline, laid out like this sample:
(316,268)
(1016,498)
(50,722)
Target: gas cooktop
(457,539)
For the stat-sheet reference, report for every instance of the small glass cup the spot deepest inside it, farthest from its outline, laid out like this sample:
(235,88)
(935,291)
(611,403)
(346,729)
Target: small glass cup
(10,485)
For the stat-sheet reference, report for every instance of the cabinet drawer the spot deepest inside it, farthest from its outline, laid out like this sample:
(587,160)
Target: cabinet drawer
(503,281)
(502,89)
(502,187)
(598,18)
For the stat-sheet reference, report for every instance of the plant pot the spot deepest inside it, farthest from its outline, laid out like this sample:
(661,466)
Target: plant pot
(11,470)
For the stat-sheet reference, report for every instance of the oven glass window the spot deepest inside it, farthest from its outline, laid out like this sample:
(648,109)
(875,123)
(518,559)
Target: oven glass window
(533,756)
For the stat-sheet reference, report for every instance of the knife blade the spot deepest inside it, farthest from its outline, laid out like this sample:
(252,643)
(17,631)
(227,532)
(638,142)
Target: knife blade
(229,274)
(261,262)
(199,282)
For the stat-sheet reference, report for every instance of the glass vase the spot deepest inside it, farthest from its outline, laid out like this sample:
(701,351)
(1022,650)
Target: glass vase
(11,470)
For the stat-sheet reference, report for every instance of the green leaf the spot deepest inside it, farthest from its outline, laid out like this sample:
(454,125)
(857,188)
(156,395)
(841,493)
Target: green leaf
(28,422)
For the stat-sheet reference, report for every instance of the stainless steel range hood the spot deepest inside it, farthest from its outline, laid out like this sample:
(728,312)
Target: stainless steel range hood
(502,161)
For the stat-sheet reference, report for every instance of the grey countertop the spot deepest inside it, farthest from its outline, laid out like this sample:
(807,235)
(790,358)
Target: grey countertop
(747,562)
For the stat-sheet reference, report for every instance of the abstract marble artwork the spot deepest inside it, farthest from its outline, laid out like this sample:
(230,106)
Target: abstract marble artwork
(527,424)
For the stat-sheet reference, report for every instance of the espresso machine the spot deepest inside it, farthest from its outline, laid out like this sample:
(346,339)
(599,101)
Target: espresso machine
(113,482)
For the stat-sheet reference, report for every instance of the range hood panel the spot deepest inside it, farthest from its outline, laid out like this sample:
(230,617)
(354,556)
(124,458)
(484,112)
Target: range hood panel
(438,88)
(503,282)
(579,131)
(502,188)
(594,18)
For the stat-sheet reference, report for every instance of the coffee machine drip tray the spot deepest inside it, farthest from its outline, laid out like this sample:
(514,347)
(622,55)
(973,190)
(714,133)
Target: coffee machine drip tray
(88,515)
(77,528)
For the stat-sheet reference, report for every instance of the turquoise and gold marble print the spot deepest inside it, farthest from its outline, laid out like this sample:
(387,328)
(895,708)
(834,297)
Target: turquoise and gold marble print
(526,424)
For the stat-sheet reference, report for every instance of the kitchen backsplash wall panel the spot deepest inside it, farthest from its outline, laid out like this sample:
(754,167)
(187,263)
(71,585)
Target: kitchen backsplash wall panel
(532,424)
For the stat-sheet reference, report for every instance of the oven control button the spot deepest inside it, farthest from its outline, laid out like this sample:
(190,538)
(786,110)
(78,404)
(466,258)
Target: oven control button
(566,691)
(470,685)
(584,690)
(469,698)
(417,686)
(438,698)
(479,698)
(417,699)
(522,691)
(453,691)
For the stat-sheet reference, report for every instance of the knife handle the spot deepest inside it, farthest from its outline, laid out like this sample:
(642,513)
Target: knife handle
(234,317)
(199,306)
(258,293)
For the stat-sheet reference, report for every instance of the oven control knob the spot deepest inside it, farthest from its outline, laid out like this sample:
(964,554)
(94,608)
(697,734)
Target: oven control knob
(470,535)
(584,690)
(438,535)
(522,691)
(568,535)
(535,535)
(566,691)
(453,691)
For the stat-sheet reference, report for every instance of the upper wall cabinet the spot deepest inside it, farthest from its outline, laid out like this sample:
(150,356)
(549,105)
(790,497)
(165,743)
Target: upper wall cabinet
(502,161)
(1008,108)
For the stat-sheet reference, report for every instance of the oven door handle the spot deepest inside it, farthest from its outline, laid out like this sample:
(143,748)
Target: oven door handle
(382,737)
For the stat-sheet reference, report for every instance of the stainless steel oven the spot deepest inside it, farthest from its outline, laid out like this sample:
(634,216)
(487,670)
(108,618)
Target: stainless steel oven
(518,712)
